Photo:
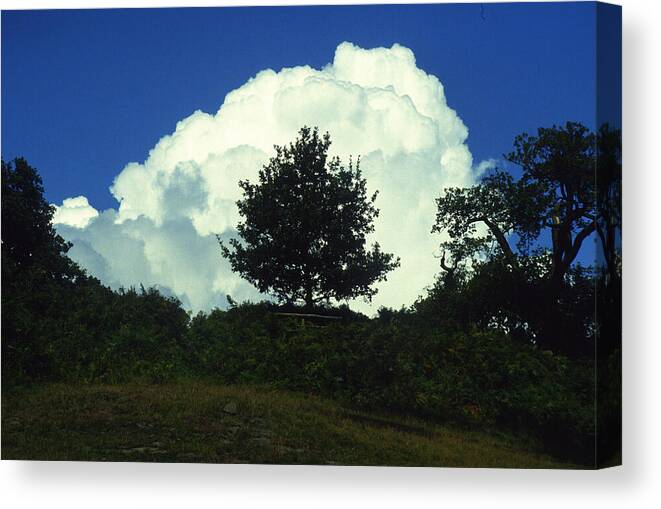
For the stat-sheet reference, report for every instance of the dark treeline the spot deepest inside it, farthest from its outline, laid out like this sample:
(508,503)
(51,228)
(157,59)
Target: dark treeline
(505,338)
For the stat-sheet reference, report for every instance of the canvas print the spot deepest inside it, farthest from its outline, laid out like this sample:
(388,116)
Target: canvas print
(329,235)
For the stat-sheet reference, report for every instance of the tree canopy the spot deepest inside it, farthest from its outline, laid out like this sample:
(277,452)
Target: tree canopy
(29,241)
(555,193)
(514,242)
(304,228)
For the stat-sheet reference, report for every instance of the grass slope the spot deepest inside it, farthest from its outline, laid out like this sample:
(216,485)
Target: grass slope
(198,422)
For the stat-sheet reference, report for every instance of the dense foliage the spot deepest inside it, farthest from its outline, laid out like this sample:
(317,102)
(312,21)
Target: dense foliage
(303,235)
(35,270)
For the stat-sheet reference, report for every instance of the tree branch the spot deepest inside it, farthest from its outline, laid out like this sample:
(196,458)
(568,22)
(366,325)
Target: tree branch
(500,238)
(578,213)
(446,267)
(572,253)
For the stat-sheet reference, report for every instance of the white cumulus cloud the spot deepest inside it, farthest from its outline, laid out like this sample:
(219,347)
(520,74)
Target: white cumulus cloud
(375,103)
(485,166)
(76,212)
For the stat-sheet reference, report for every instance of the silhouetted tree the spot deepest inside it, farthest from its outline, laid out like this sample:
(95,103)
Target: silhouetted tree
(609,293)
(35,271)
(303,235)
(29,241)
(567,185)
(609,202)
(556,192)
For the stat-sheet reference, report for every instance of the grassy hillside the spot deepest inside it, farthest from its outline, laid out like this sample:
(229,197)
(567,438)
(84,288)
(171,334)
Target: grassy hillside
(200,422)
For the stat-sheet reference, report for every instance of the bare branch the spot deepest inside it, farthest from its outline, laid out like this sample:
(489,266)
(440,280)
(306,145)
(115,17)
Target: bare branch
(446,267)
(578,241)
(500,238)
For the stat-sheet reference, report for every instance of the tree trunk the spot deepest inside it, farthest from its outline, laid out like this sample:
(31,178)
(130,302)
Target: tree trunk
(309,301)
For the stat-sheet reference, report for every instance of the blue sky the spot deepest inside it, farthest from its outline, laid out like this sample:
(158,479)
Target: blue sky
(84,93)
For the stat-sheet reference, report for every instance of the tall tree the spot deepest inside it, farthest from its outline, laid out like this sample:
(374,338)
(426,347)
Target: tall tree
(556,193)
(523,237)
(560,164)
(304,228)
(36,273)
(29,241)
(609,201)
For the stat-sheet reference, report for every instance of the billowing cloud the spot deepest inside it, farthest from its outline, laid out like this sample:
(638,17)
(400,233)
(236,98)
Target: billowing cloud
(76,212)
(375,103)
(485,166)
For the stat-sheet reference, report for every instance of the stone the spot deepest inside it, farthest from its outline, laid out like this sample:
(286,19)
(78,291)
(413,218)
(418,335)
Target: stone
(143,450)
(189,456)
(260,441)
(230,408)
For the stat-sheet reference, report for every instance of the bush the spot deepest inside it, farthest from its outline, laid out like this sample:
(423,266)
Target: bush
(87,332)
